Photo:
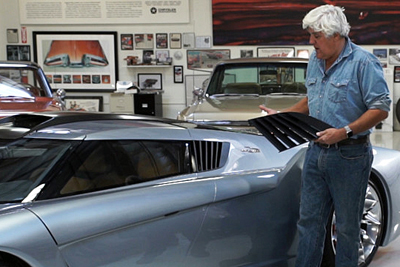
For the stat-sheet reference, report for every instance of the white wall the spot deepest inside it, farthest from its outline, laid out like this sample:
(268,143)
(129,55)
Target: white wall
(174,98)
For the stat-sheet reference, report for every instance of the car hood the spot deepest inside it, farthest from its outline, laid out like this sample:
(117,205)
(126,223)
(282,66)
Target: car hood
(239,108)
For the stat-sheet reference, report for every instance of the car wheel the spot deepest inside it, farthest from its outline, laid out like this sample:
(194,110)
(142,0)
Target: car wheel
(372,223)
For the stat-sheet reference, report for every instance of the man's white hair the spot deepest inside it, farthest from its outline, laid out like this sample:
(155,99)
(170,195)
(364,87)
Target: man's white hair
(328,19)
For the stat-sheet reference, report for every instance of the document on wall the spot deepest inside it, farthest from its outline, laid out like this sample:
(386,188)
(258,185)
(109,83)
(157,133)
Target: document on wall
(104,12)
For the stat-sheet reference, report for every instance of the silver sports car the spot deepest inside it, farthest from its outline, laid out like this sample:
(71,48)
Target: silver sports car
(83,189)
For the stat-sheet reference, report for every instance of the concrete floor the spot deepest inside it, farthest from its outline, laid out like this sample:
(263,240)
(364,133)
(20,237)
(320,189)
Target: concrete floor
(388,256)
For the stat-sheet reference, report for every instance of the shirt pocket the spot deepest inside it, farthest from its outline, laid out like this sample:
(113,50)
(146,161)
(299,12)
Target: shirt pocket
(338,90)
(312,91)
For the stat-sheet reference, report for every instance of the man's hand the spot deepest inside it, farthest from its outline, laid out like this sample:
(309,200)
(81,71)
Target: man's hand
(269,111)
(331,136)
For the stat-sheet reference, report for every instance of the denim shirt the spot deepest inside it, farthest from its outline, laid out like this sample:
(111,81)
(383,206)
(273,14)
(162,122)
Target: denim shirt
(354,84)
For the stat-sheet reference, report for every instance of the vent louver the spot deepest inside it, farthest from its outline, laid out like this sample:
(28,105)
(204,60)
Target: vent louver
(208,155)
(288,129)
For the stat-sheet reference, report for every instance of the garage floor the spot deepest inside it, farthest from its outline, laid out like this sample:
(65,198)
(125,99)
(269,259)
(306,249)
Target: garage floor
(388,256)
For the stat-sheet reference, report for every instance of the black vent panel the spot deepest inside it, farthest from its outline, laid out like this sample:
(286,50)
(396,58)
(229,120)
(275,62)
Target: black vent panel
(288,129)
(208,155)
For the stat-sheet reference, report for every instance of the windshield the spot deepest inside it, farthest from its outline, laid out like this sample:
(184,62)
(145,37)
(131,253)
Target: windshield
(21,82)
(24,164)
(258,78)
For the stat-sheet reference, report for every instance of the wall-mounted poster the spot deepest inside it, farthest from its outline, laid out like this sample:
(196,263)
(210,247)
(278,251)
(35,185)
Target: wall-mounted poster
(144,41)
(265,22)
(126,41)
(162,40)
(84,103)
(175,40)
(150,81)
(394,56)
(78,60)
(206,59)
(19,52)
(275,51)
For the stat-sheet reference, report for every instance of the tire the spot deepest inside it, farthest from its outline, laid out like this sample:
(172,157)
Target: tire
(372,223)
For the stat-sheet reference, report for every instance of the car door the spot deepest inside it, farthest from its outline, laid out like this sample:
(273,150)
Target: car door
(152,218)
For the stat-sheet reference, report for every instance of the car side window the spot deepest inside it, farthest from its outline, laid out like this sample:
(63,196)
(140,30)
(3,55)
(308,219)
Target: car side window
(119,163)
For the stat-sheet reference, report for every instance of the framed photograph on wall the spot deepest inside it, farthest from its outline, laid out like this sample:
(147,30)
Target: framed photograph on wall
(162,56)
(162,40)
(144,41)
(19,52)
(188,40)
(89,55)
(175,40)
(150,81)
(126,41)
(84,103)
(206,59)
(275,52)
(178,74)
(397,74)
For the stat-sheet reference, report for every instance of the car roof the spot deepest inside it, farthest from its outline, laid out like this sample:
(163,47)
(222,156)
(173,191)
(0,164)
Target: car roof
(84,125)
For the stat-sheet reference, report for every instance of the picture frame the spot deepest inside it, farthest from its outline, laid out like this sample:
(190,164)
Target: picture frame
(94,64)
(380,53)
(84,103)
(188,40)
(19,52)
(178,74)
(203,41)
(162,56)
(150,81)
(175,40)
(126,41)
(396,74)
(275,52)
(206,59)
(161,40)
(144,41)
(394,56)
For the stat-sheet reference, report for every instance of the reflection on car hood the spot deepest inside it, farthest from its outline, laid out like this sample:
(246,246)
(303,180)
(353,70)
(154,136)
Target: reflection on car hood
(241,107)
(229,108)
(11,106)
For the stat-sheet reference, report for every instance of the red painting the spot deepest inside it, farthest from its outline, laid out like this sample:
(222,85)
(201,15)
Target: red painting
(275,22)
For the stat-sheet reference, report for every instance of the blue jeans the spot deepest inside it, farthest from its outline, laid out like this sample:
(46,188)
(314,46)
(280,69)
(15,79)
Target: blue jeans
(332,177)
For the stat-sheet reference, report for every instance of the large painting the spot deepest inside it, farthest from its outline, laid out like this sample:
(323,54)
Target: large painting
(266,22)
(78,60)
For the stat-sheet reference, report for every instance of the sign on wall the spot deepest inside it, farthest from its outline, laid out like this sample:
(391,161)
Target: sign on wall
(104,12)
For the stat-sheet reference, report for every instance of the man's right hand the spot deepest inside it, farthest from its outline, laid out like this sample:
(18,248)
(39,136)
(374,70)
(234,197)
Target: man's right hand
(269,111)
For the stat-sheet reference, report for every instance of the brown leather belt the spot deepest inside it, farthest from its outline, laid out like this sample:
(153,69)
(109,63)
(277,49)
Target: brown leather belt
(347,142)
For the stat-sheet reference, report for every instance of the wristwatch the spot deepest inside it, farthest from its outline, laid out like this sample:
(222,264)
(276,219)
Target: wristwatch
(349,131)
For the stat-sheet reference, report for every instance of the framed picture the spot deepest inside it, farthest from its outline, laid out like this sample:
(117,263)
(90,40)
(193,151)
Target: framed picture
(203,41)
(161,40)
(162,56)
(394,56)
(380,53)
(84,103)
(175,40)
(148,56)
(19,52)
(126,41)
(188,40)
(275,51)
(178,74)
(397,74)
(206,59)
(144,41)
(191,83)
(89,57)
(150,81)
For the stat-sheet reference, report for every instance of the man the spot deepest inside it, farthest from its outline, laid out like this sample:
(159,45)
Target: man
(346,89)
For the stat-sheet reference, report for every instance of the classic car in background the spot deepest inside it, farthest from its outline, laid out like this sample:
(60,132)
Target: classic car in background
(24,87)
(238,86)
(98,189)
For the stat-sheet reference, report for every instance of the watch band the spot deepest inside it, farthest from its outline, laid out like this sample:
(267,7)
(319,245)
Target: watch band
(349,131)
